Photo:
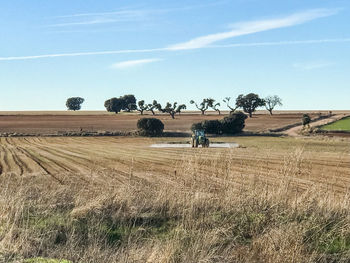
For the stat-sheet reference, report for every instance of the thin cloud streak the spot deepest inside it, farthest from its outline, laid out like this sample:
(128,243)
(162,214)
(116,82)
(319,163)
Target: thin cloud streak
(133,11)
(134,63)
(312,65)
(140,51)
(79,54)
(123,15)
(247,28)
(283,43)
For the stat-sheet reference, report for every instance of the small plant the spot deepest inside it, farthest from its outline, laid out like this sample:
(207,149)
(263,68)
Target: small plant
(306,120)
(150,127)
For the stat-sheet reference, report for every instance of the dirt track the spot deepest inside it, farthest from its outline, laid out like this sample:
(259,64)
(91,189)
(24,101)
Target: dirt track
(295,131)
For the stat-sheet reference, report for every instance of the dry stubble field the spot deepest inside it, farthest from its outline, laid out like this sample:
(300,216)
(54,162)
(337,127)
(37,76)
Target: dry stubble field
(115,199)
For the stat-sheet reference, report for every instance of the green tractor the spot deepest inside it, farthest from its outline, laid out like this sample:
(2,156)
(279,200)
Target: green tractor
(199,138)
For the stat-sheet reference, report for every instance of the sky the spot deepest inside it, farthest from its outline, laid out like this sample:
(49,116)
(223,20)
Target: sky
(174,51)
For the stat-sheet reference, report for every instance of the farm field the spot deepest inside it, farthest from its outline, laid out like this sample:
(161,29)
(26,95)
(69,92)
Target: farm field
(341,125)
(116,199)
(55,122)
(258,156)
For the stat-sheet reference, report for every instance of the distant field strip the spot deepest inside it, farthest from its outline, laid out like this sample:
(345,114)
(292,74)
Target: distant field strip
(341,125)
(303,162)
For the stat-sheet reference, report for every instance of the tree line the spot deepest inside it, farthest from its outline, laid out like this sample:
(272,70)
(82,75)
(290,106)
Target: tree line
(248,103)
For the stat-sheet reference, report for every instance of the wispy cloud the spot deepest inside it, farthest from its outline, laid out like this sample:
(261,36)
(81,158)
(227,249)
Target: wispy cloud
(312,65)
(207,41)
(122,15)
(134,63)
(140,51)
(283,43)
(247,28)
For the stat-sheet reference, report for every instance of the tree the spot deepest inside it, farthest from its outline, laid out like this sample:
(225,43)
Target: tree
(170,108)
(180,108)
(215,107)
(204,105)
(129,103)
(74,103)
(306,119)
(154,106)
(227,101)
(249,103)
(142,106)
(150,126)
(114,105)
(271,102)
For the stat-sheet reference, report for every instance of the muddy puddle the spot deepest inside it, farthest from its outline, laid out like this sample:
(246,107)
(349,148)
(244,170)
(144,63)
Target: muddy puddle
(187,145)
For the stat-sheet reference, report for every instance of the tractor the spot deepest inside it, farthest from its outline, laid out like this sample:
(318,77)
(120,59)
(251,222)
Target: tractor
(199,138)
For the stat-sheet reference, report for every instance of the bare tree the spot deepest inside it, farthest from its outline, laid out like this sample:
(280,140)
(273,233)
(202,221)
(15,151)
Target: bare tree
(271,102)
(227,101)
(215,107)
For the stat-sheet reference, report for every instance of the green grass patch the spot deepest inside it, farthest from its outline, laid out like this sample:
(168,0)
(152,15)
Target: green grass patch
(341,125)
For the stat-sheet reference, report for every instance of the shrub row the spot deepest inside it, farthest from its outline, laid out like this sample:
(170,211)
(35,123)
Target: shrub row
(232,124)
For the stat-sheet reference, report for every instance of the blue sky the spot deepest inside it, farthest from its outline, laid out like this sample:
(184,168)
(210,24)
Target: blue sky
(174,51)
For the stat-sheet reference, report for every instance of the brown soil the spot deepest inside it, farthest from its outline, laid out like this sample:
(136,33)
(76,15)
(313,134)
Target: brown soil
(46,123)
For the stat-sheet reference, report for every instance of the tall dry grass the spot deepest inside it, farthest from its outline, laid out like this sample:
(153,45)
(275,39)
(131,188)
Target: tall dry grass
(184,217)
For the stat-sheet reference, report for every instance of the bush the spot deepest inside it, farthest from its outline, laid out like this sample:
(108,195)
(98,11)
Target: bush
(234,123)
(212,126)
(150,126)
(196,126)
(306,119)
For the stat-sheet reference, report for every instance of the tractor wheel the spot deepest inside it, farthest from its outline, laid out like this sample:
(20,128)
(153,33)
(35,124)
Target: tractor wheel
(207,143)
(192,143)
(196,143)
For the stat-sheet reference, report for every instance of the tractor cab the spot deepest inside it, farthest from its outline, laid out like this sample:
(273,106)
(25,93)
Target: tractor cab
(199,138)
(199,133)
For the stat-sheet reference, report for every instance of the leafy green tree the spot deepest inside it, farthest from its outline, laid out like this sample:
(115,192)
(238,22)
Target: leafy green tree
(204,105)
(142,106)
(227,101)
(129,103)
(271,102)
(74,103)
(114,105)
(249,103)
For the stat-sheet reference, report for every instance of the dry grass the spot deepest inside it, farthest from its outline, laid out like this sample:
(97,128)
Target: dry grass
(209,210)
